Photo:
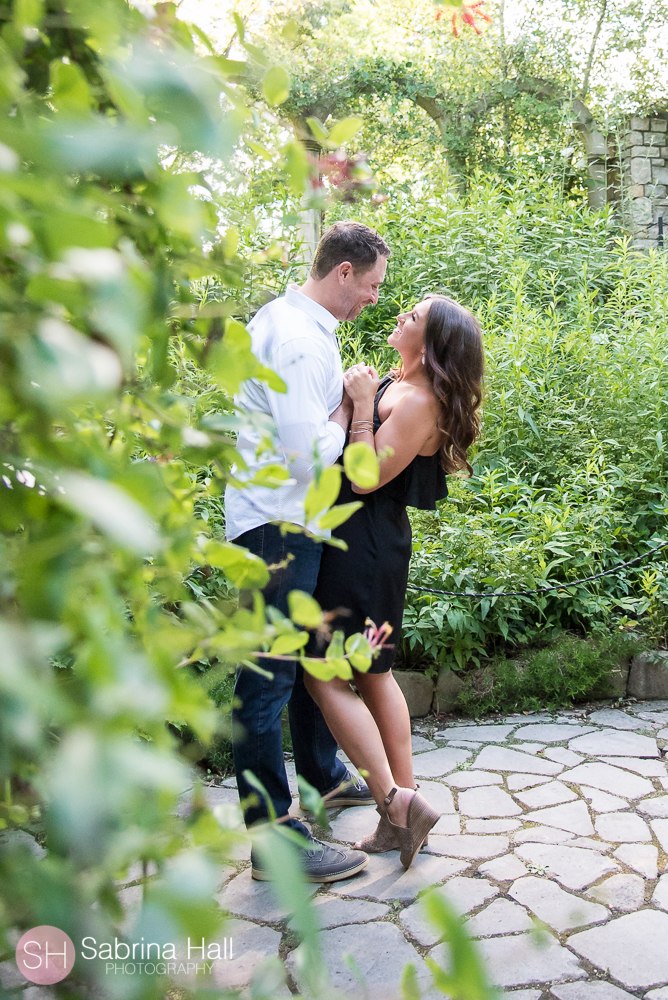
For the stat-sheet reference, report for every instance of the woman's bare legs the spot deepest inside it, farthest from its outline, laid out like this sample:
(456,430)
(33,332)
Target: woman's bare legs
(385,700)
(357,732)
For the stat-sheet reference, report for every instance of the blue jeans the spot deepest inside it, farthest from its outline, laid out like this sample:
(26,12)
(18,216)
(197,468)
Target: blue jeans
(259,748)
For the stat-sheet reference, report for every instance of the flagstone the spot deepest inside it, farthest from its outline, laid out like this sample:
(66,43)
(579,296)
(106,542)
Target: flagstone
(563,756)
(504,759)
(517,959)
(385,878)
(434,763)
(660,827)
(657,807)
(542,835)
(615,743)
(471,846)
(516,782)
(660,994)
(643,858)
(500,917)
(330,911)
(379,951)
(463,895)
(252,943)
(419,744)
(528,747)
(631,948)
(472,779)
(447,824)
(492,825)
(487,801)
(622,827)
(648,768)
(524,994)
(481,734)
(616,719)
(609,779)
(244,897)
(550,794)
(465,744)
(620,892)
(504,869)
(592,990)
(660,897)
(560,910)
(571,816)
(590,844)
(602,802)
(354,823)
(575,867)
(552,732)
(437,795)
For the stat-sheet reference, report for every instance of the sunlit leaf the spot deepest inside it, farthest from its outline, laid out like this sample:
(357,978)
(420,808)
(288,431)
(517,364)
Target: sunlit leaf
(361,465)
(344,130)
(276,85)
(339,514)
(289,643)
(304,609)
(242,568)
(322,493)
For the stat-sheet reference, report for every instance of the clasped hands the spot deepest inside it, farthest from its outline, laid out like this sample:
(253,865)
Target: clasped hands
(360,383)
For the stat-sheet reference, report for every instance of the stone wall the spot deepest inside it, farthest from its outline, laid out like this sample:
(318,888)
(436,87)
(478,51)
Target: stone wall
(645,170)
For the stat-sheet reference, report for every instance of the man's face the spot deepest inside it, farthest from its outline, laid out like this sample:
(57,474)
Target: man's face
(360,288)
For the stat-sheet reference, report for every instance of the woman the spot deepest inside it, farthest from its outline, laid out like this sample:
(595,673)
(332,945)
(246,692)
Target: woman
(421,420)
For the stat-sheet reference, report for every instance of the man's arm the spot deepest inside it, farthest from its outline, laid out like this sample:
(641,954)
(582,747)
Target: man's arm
(300,414)
(343,414)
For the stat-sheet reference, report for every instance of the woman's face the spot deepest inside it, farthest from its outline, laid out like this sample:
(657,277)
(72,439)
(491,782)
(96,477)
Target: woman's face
(408,335)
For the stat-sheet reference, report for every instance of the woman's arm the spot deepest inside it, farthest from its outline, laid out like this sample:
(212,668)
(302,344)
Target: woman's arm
(407,429)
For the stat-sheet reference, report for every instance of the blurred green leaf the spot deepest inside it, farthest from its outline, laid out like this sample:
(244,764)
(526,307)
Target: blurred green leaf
(276,86)
(361,465)
(242,568)
(339,514)
(111,510)
(322,492)
(289,643)
(344,130)
(304,610)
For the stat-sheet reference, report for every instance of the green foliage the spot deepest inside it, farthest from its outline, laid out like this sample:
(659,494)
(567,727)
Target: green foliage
(119,610)
(569,473)
(568,670)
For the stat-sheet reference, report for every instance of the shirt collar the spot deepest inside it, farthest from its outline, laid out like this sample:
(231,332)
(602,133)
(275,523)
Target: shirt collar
(322,316)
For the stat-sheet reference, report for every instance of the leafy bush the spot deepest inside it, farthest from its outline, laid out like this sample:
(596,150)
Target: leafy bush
(568,670)
(570,471)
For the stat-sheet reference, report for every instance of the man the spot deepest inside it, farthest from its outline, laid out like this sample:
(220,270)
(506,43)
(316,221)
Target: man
(295,336)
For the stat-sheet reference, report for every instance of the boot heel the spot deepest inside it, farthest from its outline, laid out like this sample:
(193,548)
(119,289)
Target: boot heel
(421,818)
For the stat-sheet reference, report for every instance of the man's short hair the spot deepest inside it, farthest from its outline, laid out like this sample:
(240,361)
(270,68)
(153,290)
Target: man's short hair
(348,241)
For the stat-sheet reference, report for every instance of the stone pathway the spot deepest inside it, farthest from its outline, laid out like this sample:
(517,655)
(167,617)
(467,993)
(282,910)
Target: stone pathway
(551,843)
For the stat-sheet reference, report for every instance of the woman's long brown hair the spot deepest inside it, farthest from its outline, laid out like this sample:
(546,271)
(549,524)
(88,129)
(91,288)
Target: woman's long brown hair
(455,364)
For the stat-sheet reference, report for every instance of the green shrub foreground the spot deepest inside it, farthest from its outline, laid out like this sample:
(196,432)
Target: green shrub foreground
(570,471)
(116,441)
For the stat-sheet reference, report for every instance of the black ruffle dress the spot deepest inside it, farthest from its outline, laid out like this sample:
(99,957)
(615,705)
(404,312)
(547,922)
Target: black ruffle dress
(369,580)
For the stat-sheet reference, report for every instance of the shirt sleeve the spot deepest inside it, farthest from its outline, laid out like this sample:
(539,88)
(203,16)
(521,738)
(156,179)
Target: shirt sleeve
(301,414)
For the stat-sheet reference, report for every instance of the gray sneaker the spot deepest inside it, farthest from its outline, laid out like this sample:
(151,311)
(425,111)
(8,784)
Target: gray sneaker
(351,792)
(322,863)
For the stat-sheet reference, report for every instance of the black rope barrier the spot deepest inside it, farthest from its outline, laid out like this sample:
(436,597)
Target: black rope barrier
(540,590)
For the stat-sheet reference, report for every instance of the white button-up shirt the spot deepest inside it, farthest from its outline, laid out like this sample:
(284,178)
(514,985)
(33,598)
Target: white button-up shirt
(294,336)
